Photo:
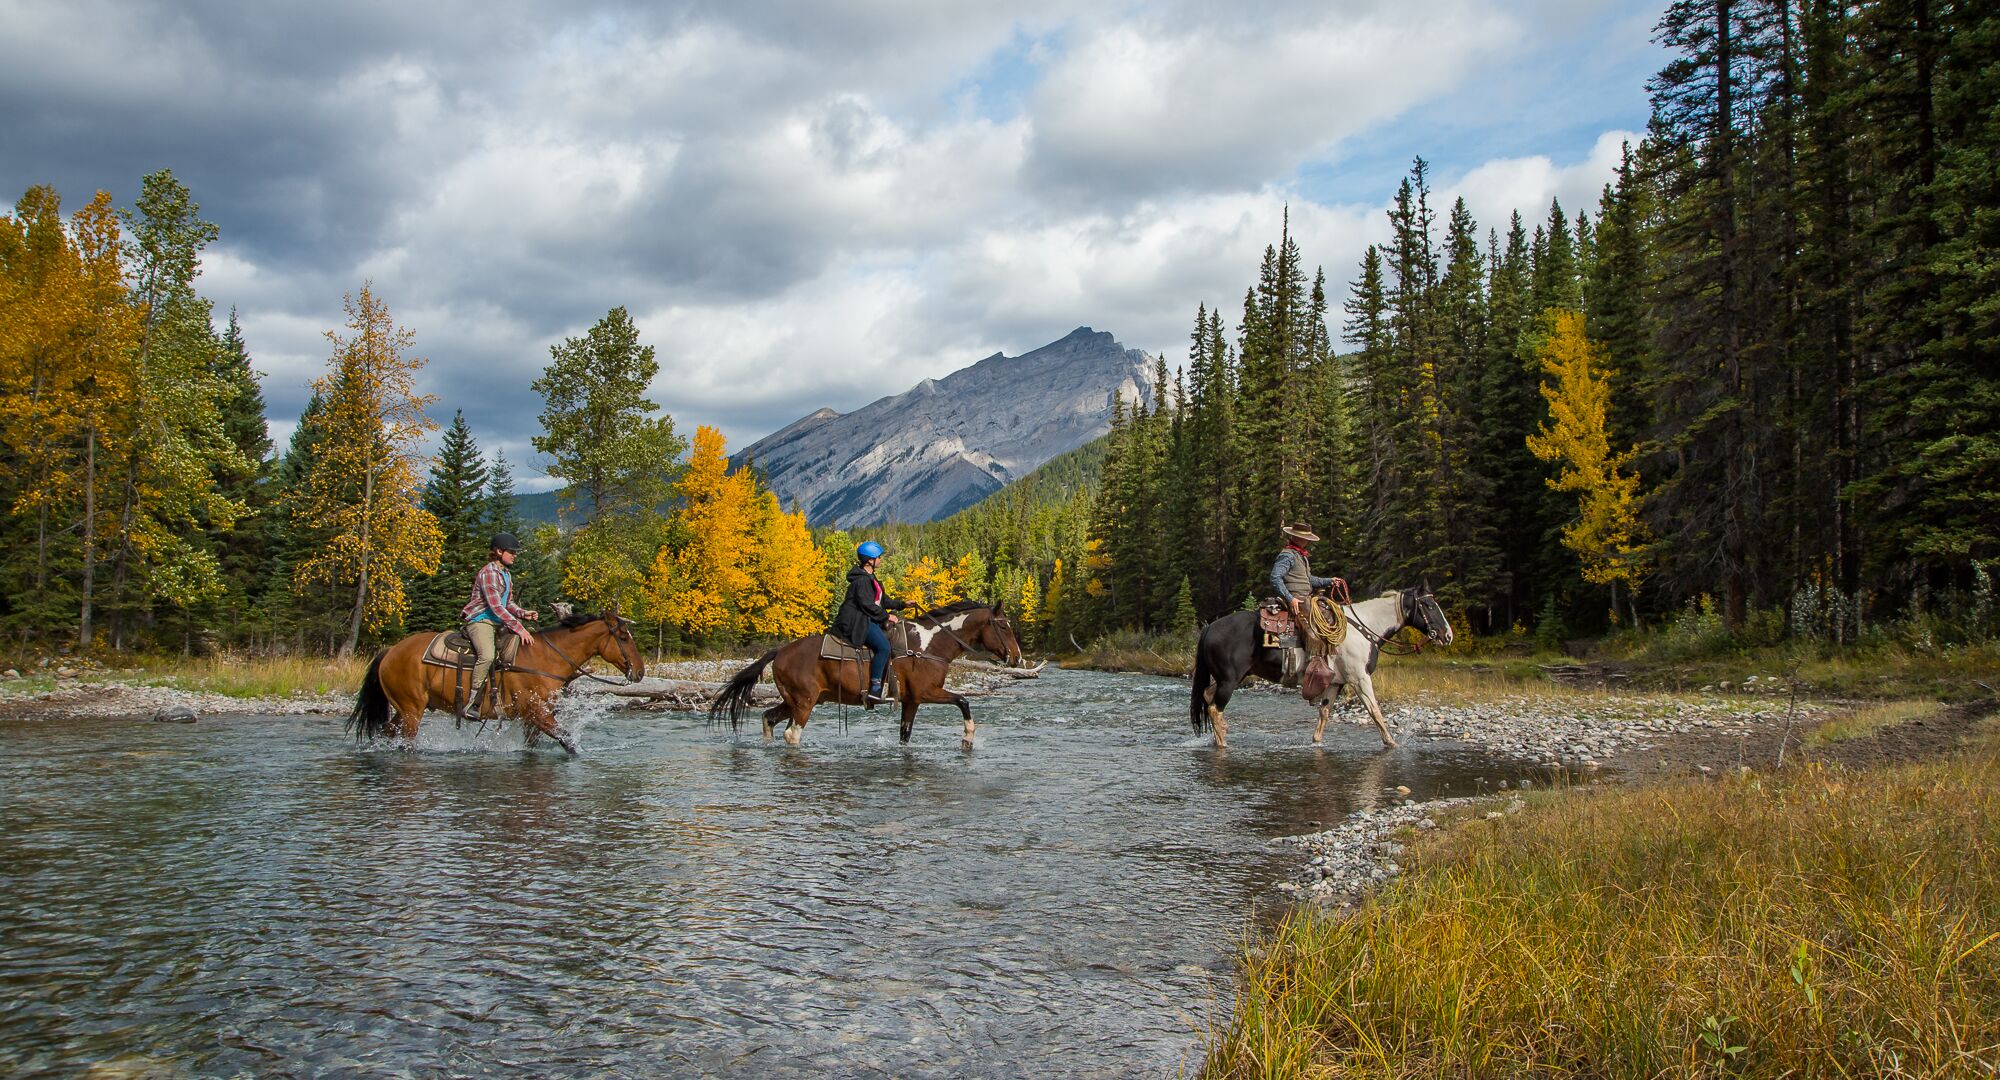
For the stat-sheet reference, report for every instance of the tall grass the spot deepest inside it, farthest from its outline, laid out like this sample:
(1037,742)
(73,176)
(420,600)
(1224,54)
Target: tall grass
(263,677)
(1825,923)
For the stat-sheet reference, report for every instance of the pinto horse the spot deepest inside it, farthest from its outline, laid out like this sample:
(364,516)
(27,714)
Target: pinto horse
(1232,648)
(805,678)
(399,686)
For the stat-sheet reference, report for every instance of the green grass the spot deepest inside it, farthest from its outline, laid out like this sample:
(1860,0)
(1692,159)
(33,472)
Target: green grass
(1819,923)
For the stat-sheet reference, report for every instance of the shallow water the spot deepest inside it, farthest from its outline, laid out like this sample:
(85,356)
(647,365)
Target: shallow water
(261,896)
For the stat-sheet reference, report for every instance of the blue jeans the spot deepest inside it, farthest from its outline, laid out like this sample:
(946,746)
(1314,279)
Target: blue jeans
(878,665)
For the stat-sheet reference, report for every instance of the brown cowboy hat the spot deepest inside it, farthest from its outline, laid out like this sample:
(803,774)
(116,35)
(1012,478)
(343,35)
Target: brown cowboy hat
(1299,530)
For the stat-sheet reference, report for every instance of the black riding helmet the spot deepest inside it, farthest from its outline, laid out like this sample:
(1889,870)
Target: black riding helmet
(505,542)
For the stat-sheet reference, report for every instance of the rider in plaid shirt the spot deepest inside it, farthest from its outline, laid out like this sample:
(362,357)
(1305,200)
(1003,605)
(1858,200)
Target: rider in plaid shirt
(491,608)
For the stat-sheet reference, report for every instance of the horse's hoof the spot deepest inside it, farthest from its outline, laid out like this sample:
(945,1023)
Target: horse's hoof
(568,743)
(791,736)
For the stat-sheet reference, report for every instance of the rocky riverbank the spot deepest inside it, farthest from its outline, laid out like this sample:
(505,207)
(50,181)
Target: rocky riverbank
(1615,738)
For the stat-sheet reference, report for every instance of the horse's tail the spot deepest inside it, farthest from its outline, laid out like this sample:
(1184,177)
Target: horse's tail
(735,696)
(371,705)
(1198,696)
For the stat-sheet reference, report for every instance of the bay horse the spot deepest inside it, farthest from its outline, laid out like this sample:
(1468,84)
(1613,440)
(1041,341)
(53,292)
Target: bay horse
(1232,648)
(804,678)
(399,686)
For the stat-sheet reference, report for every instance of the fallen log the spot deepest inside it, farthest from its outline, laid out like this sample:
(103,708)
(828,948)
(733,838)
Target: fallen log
(1001,669)
(683,696)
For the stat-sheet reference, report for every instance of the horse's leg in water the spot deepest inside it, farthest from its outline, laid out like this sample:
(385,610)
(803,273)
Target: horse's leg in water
(1325,711)
(1364,685)
(1218,702)
(937,695)
(406,709)
(772,715)
(536,711)
(800,708)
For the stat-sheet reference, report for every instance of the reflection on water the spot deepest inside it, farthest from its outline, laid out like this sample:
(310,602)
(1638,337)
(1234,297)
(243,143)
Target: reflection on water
(259,896)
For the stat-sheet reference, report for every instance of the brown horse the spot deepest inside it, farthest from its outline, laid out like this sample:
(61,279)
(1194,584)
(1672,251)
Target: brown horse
(399,682)
(805,679)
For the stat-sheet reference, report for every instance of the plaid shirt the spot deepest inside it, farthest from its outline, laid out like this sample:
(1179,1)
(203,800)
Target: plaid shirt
(493,590)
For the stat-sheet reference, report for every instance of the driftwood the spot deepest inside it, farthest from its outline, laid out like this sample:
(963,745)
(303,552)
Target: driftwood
(1000,669)
(684,696)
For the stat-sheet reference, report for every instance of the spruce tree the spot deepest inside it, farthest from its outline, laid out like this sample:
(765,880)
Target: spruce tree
(456,495)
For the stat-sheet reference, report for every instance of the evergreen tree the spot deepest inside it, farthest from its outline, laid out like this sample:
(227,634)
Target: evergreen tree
(619,464)
(245,479)
(456,496)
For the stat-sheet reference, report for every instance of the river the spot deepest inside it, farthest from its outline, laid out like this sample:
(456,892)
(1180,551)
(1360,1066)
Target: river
(262,896)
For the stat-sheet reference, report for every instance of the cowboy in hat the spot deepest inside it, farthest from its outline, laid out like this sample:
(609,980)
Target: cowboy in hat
(1292,579)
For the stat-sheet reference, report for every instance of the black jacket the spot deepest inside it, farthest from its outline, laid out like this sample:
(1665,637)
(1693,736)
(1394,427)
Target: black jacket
(859,608)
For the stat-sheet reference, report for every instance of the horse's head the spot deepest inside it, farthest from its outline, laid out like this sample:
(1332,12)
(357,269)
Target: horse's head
(997,637)
(617,646)
(1421,610)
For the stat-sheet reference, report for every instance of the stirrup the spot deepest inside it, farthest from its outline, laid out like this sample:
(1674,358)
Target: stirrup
(874,697)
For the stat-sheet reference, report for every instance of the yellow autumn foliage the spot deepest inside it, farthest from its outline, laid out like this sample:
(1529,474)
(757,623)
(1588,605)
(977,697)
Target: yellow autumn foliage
(1607,535)
(739,562)
(363,485)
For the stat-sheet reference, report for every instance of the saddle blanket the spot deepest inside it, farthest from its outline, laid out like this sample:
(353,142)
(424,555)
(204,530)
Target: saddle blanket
(453,649)
(832,647)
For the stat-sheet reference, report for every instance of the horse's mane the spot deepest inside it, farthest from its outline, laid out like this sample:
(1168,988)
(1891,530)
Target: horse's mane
(571,622)
(953,608)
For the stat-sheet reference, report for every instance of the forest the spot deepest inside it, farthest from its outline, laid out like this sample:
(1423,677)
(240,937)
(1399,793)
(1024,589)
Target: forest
(1760,379)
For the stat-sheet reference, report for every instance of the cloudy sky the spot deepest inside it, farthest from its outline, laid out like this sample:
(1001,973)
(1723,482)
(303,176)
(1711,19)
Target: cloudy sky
(802,203)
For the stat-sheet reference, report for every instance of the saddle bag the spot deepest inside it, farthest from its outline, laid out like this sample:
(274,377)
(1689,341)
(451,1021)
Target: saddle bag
(1276,623)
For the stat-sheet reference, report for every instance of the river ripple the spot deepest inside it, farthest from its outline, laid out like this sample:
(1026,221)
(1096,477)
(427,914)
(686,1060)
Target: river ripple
(258,896)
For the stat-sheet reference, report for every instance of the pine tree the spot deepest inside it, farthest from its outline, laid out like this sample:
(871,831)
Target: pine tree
(456,496)
(239,550)
(618,463)
(1469,555)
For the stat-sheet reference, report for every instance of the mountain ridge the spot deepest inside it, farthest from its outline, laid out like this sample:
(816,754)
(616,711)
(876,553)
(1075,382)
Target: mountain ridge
(948,442)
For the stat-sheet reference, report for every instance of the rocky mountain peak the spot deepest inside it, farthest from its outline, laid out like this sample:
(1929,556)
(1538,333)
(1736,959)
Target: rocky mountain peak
(946,443)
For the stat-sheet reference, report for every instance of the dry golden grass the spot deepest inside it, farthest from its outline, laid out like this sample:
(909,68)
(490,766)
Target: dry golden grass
(1821,923)
(263,677)
(1869,719)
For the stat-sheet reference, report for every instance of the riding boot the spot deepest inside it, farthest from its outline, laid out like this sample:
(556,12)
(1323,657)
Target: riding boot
(874,695)
(470,711)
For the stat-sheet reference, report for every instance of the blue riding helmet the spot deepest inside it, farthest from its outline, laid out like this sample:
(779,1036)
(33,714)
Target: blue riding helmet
(869,550)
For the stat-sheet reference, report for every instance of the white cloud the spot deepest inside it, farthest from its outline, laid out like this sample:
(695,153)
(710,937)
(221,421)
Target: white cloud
(802,204)
(1495,189)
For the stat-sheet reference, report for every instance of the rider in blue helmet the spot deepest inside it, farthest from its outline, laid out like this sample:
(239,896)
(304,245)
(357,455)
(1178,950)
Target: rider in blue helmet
(863,615)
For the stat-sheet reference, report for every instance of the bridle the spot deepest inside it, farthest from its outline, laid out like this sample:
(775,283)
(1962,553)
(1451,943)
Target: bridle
(1387,642)
(576,668)
(947,631)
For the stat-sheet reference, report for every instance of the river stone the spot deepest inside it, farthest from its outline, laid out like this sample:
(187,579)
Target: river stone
(175,714)
(10,673)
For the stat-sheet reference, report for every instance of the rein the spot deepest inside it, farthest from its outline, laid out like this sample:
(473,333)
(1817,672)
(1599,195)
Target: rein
(1385,642)
(577,668)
